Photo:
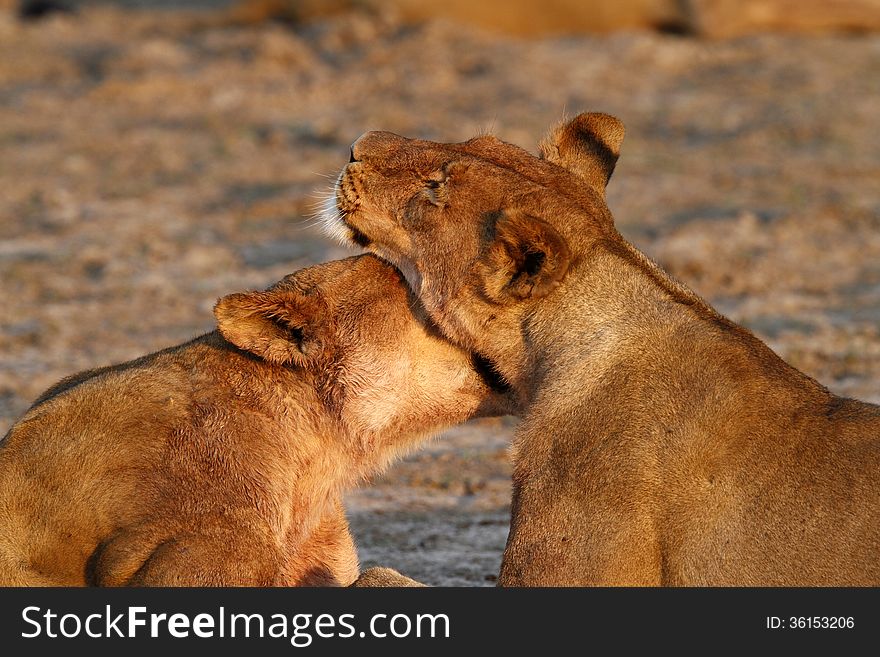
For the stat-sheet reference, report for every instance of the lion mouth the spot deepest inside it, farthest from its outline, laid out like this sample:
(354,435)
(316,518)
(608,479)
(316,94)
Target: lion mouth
(348,201)
(335,213)
(355,235)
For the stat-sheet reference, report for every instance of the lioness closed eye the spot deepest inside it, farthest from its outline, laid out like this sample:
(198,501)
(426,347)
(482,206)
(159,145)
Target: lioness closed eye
(660,442)
(222,461)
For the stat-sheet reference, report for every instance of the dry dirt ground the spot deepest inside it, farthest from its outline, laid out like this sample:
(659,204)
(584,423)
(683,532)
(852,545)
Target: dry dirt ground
(150,163)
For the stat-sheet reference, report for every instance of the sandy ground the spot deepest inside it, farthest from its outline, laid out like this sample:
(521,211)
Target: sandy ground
(149,165)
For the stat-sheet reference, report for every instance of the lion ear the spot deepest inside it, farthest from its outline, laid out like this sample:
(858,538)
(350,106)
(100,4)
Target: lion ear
(588,146)
(280,326)
(527,258)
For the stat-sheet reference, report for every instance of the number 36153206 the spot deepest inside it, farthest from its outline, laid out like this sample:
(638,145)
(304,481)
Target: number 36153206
(811,623)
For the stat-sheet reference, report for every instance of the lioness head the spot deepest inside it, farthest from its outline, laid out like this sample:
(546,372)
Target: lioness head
(481,229)
(357,330)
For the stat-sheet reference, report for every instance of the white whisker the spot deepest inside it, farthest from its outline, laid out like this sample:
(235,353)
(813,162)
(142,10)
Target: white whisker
(326,213)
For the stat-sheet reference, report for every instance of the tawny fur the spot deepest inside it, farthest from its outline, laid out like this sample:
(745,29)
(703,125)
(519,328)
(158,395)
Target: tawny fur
(222,461)
(384,578)
(661,444)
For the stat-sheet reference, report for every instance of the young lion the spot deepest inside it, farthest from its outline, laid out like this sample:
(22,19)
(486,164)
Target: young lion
(660,442)
(222,461)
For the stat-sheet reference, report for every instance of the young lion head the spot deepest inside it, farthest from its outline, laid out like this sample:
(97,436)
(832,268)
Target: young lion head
(481,229)
(376,359)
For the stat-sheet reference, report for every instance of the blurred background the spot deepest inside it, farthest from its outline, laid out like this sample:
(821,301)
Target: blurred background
(155,155)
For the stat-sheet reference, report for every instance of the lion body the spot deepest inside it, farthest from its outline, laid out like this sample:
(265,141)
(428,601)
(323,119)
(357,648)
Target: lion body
(661,444)
(223,461)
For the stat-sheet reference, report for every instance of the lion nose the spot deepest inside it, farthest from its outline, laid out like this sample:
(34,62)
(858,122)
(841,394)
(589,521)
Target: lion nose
(374,144)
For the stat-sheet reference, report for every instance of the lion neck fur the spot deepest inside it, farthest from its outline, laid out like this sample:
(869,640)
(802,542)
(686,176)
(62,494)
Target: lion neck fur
(640,321)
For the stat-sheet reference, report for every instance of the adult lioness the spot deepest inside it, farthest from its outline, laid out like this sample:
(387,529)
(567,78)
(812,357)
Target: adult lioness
(222,461)
(660,442)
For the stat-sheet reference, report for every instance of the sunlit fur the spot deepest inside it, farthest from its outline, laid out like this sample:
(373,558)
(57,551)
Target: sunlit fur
(660,442)
(222,461)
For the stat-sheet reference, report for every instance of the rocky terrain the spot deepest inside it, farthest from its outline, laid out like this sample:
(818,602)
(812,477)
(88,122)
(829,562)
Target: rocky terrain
(151,162)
